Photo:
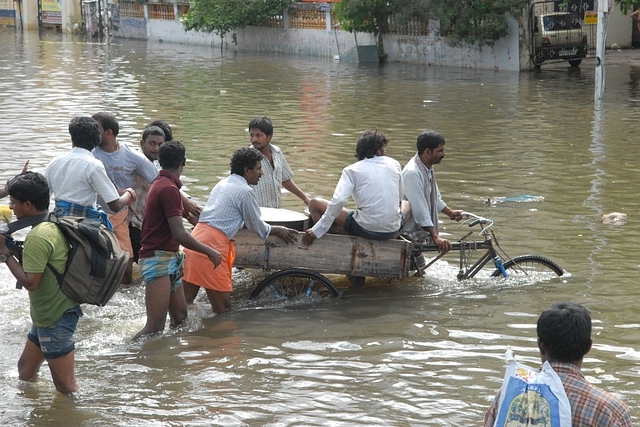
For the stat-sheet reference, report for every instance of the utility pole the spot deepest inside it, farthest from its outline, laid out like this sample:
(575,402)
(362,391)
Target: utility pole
(603,16)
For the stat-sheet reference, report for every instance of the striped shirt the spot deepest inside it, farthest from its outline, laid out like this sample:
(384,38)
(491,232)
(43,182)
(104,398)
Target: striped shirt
(268,189)
(590,406)
(231,203)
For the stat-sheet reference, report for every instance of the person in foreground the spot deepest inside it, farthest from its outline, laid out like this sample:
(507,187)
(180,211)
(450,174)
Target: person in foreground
(231,204)
(161,259)
(564,337)
(54,315)
(421,189)
(375,183)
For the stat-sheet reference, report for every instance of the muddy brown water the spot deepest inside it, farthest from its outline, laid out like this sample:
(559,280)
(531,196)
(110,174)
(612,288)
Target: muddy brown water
(418,352)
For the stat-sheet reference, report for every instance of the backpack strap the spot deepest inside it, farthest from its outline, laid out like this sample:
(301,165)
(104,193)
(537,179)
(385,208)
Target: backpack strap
(27,222)
(21,223)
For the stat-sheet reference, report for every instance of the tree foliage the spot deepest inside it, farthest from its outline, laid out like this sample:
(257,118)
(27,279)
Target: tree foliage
(471,21)
(366,16)
(626,5)
(223,16)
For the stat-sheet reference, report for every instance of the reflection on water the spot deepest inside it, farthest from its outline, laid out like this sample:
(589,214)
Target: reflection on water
(425,351)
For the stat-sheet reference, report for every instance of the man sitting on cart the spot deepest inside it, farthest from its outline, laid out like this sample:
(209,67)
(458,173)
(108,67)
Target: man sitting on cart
(375,183)
(231,204)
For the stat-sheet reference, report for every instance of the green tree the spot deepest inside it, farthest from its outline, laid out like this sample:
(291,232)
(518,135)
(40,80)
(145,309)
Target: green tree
(224,16)
(366,16)
(627,5)
(470,21)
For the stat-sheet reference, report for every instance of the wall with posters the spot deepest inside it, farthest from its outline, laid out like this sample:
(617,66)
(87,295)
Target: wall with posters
(51,12)
(7,14)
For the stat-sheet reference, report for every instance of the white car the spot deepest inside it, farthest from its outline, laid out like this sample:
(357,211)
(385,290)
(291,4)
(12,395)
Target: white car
(557,36)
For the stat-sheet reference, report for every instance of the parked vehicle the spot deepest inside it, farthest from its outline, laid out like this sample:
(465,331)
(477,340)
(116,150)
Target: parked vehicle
(559,36)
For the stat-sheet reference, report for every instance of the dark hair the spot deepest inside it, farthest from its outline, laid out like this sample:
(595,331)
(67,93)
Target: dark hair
(172,154)
(565,330)
(428,139)
(30,187)
(168,133)
(244,158)
(108,121)
(152,130)
(369,143)
(262,123)
(85,132)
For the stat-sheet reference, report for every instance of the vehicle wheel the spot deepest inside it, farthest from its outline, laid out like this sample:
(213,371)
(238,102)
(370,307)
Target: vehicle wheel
(294,283)
(525,265)
(575,62)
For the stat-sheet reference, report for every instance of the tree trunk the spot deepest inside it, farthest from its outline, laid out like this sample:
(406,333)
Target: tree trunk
(382,57)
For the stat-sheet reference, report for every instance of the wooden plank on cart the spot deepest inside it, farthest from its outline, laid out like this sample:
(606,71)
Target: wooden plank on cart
(332,254)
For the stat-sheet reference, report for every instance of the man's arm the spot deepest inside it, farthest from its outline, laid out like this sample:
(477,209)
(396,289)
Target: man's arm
(289,235)
(190,210)
(293,188)
(455,215)
(636,16)
(145,167)
(30,281)
(127,197)
(341,194)
(3,191)
(182,236)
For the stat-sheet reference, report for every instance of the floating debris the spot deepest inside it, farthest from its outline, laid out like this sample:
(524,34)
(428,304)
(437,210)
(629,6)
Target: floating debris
(616,218)
(525,198)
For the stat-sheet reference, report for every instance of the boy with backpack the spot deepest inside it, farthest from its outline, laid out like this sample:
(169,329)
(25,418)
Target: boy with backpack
(54,315)
(161,259)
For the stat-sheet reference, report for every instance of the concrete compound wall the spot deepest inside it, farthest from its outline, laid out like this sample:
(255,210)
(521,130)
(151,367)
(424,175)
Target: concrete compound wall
(504,54)
(428,50)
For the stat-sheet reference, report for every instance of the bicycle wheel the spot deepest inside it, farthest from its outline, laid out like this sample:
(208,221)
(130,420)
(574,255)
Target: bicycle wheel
(525,265)
(294,283)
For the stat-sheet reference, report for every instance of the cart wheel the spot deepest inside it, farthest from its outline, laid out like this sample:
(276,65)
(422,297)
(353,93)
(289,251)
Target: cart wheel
(525,265)
(294,283)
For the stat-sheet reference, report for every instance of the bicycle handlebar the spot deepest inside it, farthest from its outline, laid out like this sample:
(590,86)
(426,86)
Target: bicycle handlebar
(476,219)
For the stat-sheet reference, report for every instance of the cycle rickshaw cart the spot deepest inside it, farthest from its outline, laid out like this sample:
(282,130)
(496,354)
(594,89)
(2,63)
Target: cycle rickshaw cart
(297,271)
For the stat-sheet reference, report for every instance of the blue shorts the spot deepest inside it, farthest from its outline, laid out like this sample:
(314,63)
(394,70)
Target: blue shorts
(352,227)
(57,341)
(163,263)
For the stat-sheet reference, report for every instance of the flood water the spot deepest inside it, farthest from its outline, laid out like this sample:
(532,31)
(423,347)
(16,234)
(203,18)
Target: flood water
(424,351)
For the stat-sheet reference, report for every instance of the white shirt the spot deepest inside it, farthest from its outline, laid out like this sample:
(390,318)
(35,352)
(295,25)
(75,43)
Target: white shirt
(376,186)
(78,177)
